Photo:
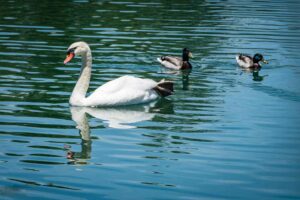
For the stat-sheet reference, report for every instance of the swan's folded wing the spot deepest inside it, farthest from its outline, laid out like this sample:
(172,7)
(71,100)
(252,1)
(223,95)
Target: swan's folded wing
(125,83)
(121,97)
(124,90)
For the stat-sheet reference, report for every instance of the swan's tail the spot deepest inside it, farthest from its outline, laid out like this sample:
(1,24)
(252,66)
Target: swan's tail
(164,88)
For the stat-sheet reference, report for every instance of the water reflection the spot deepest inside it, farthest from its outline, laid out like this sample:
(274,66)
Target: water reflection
(184,76)
(81,120)
(255,74)
(185,79)
(257,77)
(118,117)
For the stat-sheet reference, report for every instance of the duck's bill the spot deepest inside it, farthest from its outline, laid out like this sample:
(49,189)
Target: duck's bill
(69,57)
(190,55)
(265,61)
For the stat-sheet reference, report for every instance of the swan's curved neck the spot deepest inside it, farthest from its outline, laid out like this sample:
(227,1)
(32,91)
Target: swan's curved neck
(79,92)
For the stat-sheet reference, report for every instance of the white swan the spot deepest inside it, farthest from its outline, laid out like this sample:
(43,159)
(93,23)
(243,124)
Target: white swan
(125,90)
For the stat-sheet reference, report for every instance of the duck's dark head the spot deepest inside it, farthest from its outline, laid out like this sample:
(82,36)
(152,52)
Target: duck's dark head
(258,57)
(186,54)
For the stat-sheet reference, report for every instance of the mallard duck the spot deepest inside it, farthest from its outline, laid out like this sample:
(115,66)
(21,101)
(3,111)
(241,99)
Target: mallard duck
(248,62)
(177,63)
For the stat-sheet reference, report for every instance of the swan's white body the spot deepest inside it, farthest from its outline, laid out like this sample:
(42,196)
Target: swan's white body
(125,90)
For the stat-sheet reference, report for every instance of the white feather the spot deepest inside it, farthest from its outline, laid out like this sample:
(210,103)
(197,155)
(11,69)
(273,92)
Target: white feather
(125,90)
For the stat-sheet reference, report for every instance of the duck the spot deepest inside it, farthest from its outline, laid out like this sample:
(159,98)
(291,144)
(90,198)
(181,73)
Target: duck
(248,62)
(177,63)
(125,90)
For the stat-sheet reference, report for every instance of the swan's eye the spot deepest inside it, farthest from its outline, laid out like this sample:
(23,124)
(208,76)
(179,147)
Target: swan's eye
(71,50)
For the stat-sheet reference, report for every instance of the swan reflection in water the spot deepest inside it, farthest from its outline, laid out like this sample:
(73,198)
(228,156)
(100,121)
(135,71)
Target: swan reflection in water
(118,117)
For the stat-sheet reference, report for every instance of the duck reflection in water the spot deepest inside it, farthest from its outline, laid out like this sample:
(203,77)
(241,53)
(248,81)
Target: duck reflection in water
(183,73)
(256,76)
(119,118)
(185,79)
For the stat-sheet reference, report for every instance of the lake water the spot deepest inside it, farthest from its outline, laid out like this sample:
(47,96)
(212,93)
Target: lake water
(225,133)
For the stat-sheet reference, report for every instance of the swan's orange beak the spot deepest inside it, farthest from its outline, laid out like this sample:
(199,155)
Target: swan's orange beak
(69,57)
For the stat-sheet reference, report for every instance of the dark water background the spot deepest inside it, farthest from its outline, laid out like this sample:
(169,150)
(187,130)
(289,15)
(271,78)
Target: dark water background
(225,134)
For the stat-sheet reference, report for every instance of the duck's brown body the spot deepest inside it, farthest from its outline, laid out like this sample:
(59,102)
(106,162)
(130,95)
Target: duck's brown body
(177,63)
(248,62)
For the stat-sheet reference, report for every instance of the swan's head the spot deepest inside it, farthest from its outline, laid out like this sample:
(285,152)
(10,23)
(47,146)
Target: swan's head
(76,49)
